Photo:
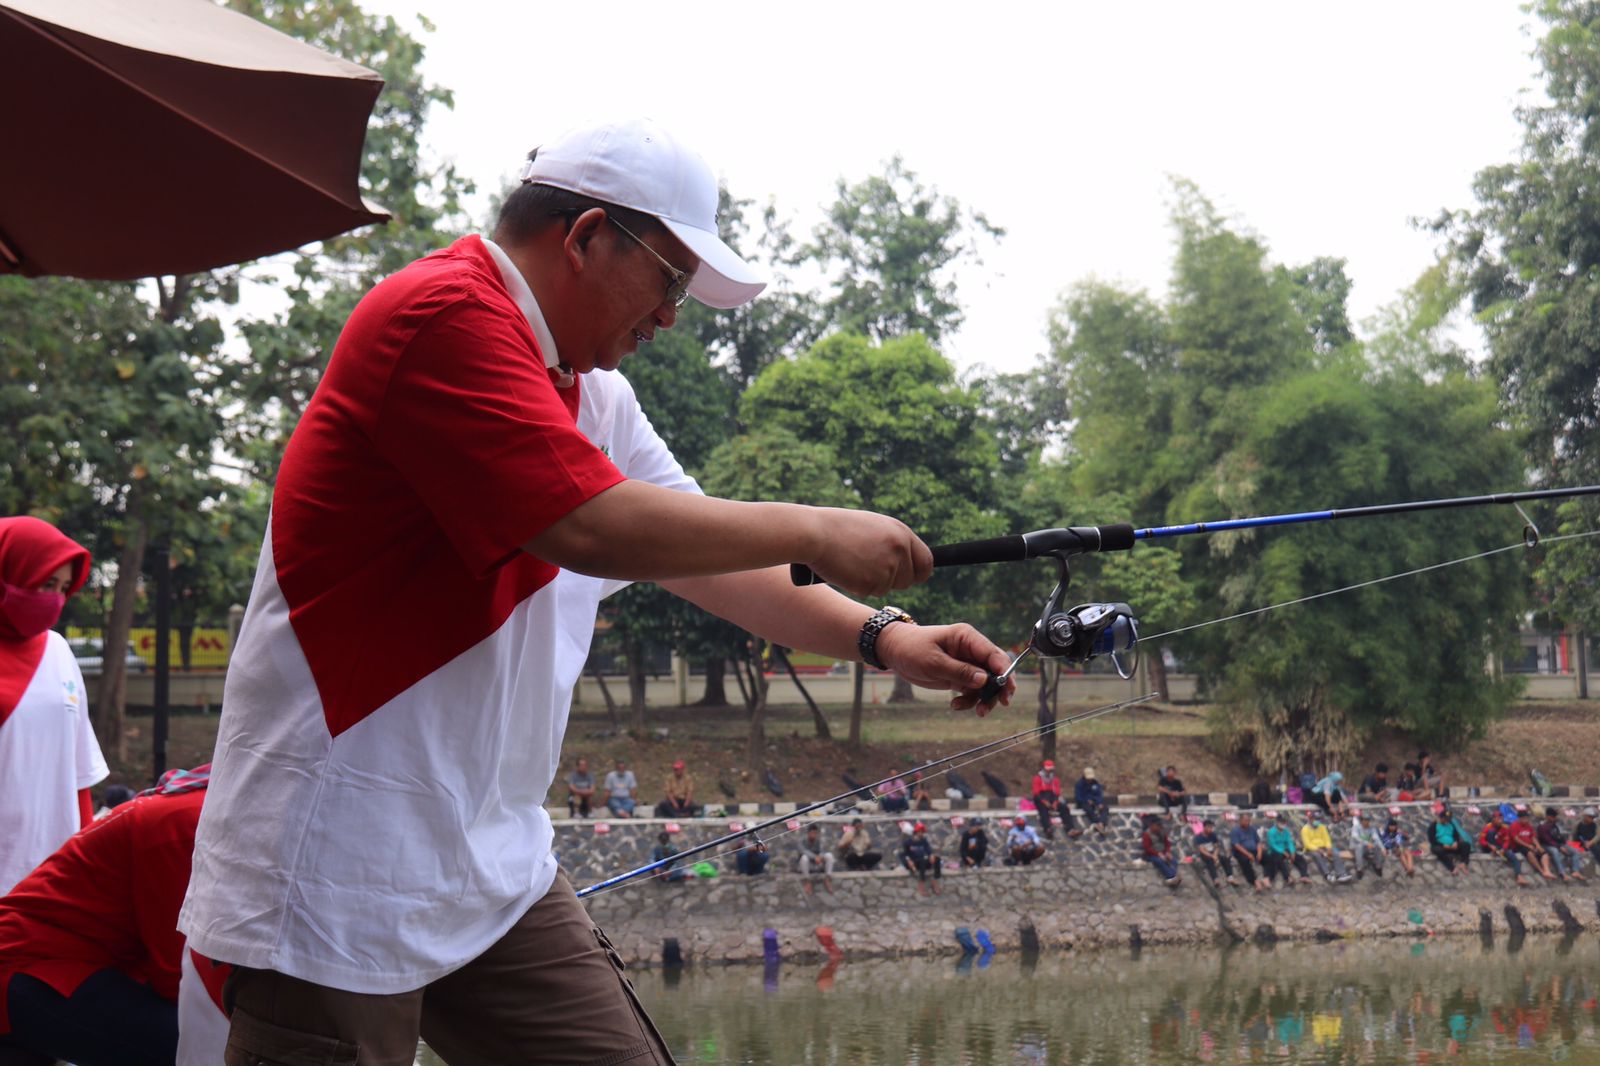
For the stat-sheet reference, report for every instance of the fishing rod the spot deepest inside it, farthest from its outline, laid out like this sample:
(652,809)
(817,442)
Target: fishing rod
(1081,633)
(988,747)
(1088,630)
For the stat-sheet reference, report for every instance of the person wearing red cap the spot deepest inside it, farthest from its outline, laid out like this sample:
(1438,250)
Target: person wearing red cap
(1023,845)
(49,756)
(1047,801)
(467,484)
(920,858)
(677,794)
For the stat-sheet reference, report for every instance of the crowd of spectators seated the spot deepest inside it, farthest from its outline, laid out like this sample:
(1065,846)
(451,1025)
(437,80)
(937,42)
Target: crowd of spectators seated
(1277,852)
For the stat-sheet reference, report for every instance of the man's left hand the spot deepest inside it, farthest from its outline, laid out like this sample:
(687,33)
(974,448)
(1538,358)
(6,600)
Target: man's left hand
(955,657)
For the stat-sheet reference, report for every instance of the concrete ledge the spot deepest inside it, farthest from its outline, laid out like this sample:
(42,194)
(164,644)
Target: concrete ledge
(886,913)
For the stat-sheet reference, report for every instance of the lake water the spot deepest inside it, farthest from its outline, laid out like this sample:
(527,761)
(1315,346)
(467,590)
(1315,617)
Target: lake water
(1374,1001)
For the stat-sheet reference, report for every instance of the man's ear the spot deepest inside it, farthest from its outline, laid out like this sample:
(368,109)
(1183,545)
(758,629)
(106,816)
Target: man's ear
(578,245)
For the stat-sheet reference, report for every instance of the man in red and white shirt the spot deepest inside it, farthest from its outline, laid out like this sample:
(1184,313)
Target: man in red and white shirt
(461,493)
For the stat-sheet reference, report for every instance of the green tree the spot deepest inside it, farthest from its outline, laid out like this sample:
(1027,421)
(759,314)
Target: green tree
(781,322)
(1528,255)
(909,439)
(891,246)
(772,464)
(1304,686)
(115,404)
(1245,393)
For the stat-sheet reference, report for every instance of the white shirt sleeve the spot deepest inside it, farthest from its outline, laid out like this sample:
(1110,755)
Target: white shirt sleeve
(90,762)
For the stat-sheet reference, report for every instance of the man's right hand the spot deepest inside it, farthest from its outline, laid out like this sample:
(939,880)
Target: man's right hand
(868,554)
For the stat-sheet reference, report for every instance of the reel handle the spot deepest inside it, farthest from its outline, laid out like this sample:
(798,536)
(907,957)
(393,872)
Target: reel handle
(1074,540)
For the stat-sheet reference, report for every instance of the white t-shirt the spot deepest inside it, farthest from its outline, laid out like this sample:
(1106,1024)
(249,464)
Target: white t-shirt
(395,707)
(48,752)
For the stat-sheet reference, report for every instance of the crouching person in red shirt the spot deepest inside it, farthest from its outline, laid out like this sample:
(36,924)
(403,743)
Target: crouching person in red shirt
(91,960)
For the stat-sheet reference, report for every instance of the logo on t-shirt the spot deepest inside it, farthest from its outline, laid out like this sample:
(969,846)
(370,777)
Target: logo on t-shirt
(69,695)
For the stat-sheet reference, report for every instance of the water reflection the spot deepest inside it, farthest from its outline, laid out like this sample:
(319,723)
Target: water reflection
(1350,1002)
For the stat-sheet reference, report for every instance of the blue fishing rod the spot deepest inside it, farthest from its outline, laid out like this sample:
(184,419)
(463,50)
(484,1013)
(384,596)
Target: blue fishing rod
(1081,633)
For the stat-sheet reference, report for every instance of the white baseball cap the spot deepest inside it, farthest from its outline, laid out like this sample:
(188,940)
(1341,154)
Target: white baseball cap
(638,165)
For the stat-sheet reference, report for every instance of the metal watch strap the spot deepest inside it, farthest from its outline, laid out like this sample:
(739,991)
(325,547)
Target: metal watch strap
(867,642)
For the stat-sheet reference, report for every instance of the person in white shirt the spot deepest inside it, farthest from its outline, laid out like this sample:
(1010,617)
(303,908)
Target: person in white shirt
(621,784)
(49,756)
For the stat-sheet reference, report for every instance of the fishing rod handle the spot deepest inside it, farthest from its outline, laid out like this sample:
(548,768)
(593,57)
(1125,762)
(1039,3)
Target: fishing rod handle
(1016,547)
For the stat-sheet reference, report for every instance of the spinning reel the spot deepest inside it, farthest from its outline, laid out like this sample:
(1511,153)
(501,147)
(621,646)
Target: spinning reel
(1077,634)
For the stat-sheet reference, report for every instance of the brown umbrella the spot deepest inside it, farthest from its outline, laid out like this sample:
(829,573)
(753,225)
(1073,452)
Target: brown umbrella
(144,137)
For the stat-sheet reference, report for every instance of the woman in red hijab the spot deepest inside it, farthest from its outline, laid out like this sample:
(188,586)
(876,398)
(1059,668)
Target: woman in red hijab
(48,753)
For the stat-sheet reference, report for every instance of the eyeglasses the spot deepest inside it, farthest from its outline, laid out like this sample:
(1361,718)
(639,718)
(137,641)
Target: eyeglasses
(677,293)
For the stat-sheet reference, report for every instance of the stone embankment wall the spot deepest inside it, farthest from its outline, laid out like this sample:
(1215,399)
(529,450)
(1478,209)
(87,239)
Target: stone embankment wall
(1090,892)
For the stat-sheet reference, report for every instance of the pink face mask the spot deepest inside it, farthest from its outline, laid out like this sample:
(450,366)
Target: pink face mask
(28,612)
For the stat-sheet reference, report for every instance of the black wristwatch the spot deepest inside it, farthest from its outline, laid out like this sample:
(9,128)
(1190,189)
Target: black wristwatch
(868,640)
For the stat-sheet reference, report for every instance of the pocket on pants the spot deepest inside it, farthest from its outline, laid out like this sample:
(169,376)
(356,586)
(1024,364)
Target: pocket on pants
(253,1042)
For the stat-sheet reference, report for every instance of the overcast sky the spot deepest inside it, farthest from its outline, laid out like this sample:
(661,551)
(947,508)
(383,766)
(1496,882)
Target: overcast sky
(1325,128)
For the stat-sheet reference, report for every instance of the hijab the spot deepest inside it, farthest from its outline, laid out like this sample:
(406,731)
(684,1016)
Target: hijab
(30,551)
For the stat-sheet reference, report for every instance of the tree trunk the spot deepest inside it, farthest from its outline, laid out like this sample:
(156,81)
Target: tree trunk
(716,694)
(1583,664)
(902,691)
(817,718)
(635,655)
(756,750)
(111,702)
(605,693)
(1157,672)
(860,672)
(1047,712)
(738,677)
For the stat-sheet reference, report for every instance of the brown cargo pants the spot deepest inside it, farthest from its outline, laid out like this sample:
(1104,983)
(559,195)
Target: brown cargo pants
(551,991)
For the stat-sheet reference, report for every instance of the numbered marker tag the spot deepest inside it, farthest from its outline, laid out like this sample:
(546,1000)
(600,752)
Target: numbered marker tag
(958,821)
(735,827)
(602,827)
(674,827)
(792,825)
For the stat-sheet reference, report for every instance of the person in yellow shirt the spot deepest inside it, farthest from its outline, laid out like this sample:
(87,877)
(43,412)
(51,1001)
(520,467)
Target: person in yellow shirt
(1317,843)
(677,794)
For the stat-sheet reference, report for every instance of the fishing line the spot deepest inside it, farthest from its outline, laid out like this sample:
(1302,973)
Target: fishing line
(1366,584)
